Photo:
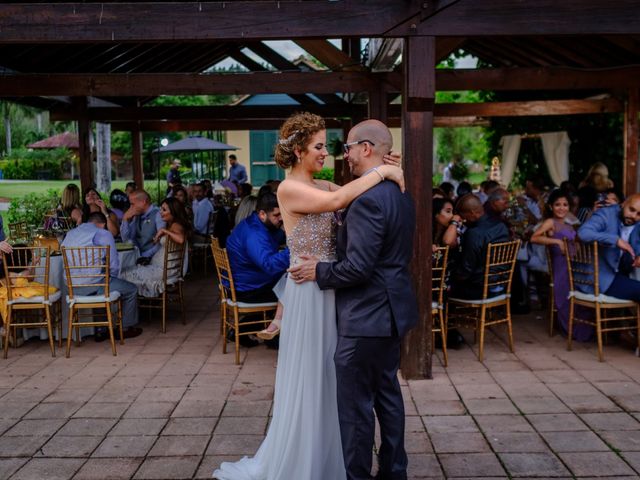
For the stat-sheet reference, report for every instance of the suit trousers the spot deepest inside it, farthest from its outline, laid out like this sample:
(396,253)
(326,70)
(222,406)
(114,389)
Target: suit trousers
(366,370)
(625,288)
(128,294)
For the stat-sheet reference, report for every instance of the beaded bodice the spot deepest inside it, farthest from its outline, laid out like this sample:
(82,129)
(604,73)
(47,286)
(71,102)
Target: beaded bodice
(314,234)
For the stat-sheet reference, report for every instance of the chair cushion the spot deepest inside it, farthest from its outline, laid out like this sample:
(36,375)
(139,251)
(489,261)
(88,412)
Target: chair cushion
(499,298)
(53,297)
(251,305)
(93,298)
(602,298)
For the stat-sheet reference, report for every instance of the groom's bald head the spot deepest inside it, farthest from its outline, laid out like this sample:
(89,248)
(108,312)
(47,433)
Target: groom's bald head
(376,142)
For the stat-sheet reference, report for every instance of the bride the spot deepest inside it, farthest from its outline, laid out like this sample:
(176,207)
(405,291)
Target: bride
(303,440)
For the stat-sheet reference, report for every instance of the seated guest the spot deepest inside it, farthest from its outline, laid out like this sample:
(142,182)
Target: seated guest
(256,260)
(551,233)
(448,189)
(130,187)
(533,190)
(202,209)
(445,223)
(244,190)
(69,206)
(463,189)
(140,224)
(92,233)
(93,203)
(222,225)
(481,230)
(246,207)
(180,193)
(119,203)
(149,278)
(497,203)
(616,230)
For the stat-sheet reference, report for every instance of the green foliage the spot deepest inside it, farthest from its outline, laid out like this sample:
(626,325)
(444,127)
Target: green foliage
(325,174)
(33,164)
(32,207)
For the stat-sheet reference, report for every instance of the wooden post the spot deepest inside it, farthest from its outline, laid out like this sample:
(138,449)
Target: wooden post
(378,104)
(341,173)
(418,99)
(631,133)
(103,157)
(136,159)
(84,145)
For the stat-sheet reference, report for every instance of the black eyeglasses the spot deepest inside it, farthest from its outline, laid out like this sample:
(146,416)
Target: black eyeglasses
(347,146)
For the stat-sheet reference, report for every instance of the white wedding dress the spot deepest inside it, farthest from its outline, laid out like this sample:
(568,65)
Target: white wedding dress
(303,440)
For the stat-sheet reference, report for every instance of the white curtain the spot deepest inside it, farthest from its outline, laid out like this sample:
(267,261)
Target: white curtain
(555,146)
(510,150)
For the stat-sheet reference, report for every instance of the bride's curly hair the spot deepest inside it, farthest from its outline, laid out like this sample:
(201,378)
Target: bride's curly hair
(296,133)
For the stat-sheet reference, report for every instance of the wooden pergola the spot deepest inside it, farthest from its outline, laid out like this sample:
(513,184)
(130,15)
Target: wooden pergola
(104,61)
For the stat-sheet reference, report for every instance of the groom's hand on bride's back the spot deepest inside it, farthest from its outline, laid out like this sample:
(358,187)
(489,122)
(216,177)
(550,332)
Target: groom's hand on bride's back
(305,270)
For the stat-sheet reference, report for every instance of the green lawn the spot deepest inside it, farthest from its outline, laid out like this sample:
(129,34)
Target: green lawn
(13,189)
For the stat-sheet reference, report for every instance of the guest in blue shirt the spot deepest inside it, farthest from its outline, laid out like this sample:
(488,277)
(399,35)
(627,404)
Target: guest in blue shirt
(93,234)
(2,235)
(202,209)
(237,172)
(140,224)
(254,252)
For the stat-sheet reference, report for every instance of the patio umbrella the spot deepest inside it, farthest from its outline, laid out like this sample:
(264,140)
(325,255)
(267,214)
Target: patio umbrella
(195,144)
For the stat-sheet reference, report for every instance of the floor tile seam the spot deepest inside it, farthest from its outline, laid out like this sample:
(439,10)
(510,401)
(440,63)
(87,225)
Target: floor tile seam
(75,472)
(544,440)
(617,452)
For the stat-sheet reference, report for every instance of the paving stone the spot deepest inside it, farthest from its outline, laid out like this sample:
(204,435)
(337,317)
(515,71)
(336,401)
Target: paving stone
(159,468)
(459,442)
(491,406)
(633,458)
(509,442)
(240,425)
(194,408)
(49,468)
(503,423)
(611,421)
(247,409)
(54,410)
(424,466)
(530,405)
(66,446)
(234,445)
(138,426)
(575,442)
(87,426)
(20,446)
(10,465)
(210,463)
(35,427)
(543,464)
(601,464)
(471,464)
(101,410)
(450,423)
(149,410)
(189,426)
(108,469)
(125,446)
(15,409)
(445,407)
(590,404)
(556,422)
(624,440)
(161,394)
(417,442)
(178,445)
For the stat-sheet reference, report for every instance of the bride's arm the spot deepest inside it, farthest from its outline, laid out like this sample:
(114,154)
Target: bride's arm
(301,198)
(392,158)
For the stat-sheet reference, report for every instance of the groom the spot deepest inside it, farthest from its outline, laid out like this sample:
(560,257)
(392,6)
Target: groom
(375,306)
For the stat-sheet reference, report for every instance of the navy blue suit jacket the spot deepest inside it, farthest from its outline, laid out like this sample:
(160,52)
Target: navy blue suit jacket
(374,293)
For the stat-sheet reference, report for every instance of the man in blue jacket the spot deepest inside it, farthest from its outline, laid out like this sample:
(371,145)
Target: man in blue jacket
(617,231)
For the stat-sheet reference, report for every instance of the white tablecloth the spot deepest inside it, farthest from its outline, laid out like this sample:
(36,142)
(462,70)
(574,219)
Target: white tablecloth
(56,279)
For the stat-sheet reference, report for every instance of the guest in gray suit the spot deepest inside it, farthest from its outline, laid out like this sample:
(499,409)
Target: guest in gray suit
(140,224)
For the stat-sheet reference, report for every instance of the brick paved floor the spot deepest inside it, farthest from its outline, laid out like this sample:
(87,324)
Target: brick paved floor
(172,406)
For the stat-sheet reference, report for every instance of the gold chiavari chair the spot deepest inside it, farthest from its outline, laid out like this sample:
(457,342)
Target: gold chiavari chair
(582,263)
(26,280)
(172,280)
(203,248)
(215,244)
(438,286)
(498,272)
(20,232)
(552,299)
(231,308)
(87,269)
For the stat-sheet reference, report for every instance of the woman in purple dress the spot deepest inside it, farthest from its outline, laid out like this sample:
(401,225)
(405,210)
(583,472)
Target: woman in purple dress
(552,233)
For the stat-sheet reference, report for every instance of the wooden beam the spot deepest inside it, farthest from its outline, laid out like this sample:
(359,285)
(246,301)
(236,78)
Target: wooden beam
(330,55)
(542,78)
(114,21)
(512,17)
(631,134)
(445,46)
(136,149)
(378,104)
(240,112)
(202,125)
(152,84)
(417,133)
